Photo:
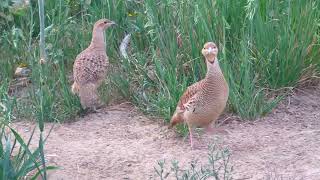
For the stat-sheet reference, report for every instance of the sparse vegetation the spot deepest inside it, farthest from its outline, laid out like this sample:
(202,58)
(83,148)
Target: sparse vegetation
(218,167)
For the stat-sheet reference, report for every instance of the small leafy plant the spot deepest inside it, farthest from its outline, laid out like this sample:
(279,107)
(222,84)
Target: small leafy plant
(217,168)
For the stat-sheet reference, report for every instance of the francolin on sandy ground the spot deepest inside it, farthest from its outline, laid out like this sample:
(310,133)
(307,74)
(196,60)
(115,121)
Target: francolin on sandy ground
(90,67)
(203,102)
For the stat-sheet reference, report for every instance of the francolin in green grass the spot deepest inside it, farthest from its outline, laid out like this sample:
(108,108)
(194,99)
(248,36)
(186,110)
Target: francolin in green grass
(90,67)
(203,102)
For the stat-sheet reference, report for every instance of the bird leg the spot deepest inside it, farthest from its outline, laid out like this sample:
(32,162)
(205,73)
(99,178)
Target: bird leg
(98,107)
(94,109)
(190,133)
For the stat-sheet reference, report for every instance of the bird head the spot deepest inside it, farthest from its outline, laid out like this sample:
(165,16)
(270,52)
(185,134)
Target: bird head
(103,24)
(210,51)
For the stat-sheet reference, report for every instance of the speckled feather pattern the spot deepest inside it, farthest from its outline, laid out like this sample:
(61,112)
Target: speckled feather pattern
(203,102)
(90,66)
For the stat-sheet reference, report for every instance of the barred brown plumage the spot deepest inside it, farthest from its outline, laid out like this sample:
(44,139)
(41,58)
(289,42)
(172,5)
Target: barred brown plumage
(90,67)
(204,101)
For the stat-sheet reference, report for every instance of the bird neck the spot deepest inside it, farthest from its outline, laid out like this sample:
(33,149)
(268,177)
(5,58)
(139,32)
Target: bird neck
(213,68)
(97,40)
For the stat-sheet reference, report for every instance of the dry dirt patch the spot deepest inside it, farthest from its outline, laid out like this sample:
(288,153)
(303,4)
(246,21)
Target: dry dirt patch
(124,144)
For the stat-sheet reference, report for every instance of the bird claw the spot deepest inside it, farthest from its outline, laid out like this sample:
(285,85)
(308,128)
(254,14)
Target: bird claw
(92,110)
(100,111)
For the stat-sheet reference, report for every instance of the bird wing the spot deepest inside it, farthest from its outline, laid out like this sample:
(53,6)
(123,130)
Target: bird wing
(89,68)
(187,98)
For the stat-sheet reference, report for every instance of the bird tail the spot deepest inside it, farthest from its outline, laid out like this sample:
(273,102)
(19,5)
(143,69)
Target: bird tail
(75,88)
(124,45)
(176,119)
(88,95)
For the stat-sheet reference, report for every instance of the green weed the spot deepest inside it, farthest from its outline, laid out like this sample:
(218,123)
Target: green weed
(218,167)
(17,160)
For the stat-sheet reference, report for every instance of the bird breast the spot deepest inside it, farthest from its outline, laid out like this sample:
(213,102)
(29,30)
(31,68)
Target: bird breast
(209,102)
(90,67)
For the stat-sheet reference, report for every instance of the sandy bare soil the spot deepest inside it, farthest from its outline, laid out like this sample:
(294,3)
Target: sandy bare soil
(124,144)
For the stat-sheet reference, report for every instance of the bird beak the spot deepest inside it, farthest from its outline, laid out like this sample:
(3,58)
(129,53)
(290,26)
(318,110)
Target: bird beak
(112,23)
(210,50)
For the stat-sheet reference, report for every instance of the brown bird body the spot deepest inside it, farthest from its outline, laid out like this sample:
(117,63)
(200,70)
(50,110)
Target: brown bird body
(90,67)
(203,102)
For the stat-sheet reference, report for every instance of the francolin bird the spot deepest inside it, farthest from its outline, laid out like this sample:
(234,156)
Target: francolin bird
(204,101)
(90,67)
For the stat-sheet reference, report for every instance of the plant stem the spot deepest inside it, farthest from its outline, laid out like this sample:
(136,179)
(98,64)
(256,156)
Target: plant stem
(43,55)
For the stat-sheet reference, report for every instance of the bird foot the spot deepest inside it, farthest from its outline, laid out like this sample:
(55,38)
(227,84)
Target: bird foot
(94,109)
(98,110)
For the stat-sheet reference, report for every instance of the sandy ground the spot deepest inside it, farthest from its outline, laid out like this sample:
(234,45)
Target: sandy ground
(124,144)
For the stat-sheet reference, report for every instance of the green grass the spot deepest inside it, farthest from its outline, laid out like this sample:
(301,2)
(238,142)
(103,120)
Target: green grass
(17,159)
(265,46)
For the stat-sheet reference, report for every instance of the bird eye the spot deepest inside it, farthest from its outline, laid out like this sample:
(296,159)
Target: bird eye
(105,22)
